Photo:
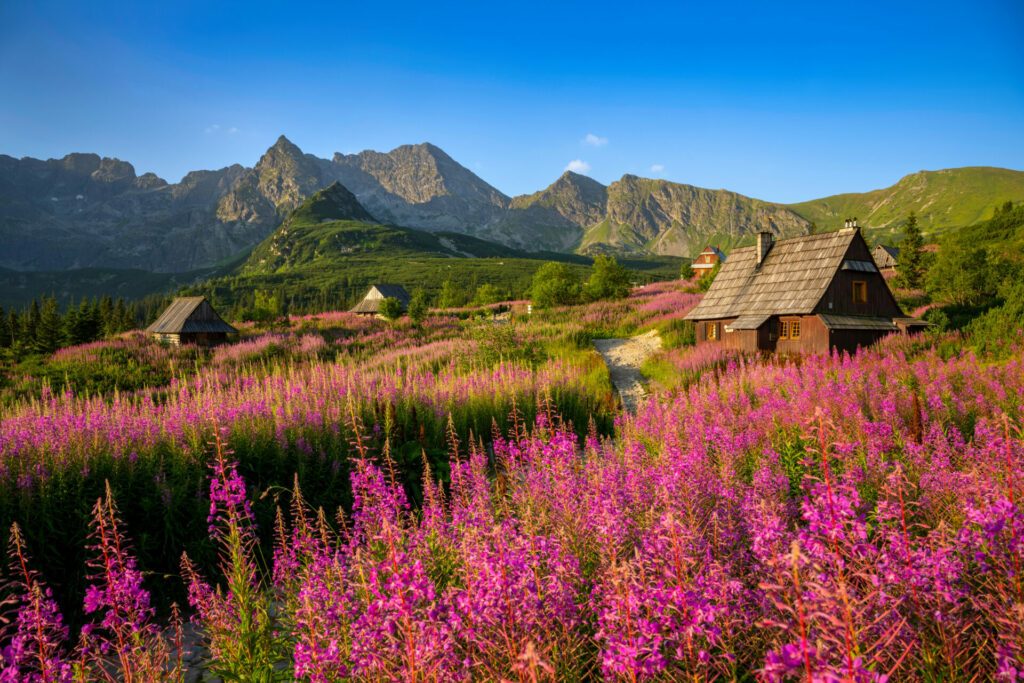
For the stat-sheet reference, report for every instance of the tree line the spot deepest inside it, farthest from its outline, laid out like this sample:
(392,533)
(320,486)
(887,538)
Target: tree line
(42,327)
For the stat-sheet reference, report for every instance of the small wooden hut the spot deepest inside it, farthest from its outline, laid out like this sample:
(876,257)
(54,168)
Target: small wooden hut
(810,294)
(190,320)
(886,258)
(708,259)
(370,305)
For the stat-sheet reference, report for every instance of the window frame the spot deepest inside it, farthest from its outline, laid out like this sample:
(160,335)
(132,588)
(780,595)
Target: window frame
(794,330)
(711,331)
(860,292)
(783,330)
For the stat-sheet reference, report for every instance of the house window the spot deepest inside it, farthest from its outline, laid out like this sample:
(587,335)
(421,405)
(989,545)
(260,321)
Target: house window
(784,329)
(794,329)
(860,292)
(712,331)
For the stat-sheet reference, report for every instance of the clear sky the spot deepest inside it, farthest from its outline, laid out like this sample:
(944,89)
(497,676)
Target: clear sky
(779,100)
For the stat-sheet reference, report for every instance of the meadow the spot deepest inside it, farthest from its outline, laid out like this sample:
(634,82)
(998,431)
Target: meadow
(464,500)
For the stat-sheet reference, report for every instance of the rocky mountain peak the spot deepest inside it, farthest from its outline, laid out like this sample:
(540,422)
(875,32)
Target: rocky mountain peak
(113,171)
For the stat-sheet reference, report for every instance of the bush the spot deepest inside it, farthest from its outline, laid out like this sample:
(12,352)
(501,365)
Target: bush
(391,308)
(997,330)
(418,307)
(554,284)
(608,280)
(704,283)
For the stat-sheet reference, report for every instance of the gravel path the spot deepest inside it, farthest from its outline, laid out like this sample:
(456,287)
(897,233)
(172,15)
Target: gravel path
(624,358)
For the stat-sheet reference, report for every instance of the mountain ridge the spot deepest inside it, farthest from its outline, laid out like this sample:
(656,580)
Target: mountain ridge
(85,210)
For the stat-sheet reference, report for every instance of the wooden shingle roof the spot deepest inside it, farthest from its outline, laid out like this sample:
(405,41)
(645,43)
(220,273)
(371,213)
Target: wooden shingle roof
(377,294)
(190,314)
(393,292)
(886,256)
(791,280)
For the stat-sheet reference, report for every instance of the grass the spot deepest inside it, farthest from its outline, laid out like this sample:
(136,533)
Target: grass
(942,199)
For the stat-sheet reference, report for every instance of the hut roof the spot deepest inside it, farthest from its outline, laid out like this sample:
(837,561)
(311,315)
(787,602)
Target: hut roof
(377,294)
(886,256)
(790,281)
(189,314)
(392,292)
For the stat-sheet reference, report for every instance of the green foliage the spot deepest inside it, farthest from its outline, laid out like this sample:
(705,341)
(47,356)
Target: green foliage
(554,284)
(677,333)
(451,296)
(418,307)
(965,275)
(941,199)
(608,279)
(487,294)
(996,330)
(391,308)
(911,267)
(686,271)
(705,281)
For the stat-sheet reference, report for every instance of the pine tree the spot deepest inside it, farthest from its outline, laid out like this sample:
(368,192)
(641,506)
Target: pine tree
(5,334)
(910,268)
(49,332)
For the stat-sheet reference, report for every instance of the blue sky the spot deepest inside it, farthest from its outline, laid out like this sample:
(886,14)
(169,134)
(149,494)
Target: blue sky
(785,101)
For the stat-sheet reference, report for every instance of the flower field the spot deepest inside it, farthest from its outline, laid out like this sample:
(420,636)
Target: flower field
(465,502)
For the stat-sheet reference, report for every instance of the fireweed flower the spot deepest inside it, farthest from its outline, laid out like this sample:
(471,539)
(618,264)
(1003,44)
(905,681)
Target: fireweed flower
(35,639)
(126,632)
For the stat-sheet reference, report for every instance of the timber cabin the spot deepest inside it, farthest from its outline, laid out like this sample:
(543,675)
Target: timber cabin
(810,294)
(708,259)
(370,305)
(190,320)
(886,258)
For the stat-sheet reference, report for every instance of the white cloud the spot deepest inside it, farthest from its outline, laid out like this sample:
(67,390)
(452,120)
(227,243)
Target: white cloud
(577,166)
(657,168)
(217,129)
(592,140)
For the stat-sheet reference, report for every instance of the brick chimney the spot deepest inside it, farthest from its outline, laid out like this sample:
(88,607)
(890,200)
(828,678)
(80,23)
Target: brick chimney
(764,245)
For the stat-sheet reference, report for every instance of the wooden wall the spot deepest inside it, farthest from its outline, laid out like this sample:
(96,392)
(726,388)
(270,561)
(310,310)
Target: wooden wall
(838,298)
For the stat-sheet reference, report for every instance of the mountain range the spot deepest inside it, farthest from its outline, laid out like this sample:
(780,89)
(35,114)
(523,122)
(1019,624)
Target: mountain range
(86,211)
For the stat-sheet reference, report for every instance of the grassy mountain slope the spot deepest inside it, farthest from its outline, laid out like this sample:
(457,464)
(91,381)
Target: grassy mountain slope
(941,199)
(326,253)
(646,215)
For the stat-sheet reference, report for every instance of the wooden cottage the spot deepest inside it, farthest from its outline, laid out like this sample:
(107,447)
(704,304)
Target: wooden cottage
(190,320)
(886,258)
(370,305)
(708,259)
(807,294)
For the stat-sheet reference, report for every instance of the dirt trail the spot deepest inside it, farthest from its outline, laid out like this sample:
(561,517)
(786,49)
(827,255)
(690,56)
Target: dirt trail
(624,358)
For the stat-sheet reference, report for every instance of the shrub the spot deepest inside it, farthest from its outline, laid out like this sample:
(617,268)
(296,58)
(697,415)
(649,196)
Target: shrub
(391,308)
(554,284)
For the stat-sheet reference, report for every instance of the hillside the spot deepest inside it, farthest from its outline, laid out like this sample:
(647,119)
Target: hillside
(329,250)
(661,217)
(942,199)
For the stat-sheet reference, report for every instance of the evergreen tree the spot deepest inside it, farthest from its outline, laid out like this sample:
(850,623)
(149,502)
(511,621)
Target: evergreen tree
(29,323)
(418,307)
(49,332)
(910,268)
(5,334)
(13,325)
